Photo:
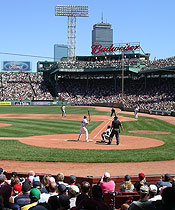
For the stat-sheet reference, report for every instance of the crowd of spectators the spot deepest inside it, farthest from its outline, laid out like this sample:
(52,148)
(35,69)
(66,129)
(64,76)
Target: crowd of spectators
(157,95)
(23,86)
(154,97)
(96,64)
(40,90)
(15,85)
(106,63)
(53,193)
(159,63)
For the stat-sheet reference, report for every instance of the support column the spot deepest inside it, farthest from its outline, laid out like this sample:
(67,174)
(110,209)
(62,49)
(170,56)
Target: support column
(115,85)
(87,82)
(145,81)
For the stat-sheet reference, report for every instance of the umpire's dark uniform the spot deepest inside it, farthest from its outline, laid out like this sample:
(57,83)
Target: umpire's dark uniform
(116,125)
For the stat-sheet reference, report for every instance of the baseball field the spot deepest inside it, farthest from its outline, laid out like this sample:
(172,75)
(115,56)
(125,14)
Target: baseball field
(40,133)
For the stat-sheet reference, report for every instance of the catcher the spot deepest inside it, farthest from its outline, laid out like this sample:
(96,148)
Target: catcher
(106,134)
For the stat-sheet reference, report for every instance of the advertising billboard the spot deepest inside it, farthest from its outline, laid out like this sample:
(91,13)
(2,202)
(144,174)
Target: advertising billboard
(120,47)
(16,66)
(5,103)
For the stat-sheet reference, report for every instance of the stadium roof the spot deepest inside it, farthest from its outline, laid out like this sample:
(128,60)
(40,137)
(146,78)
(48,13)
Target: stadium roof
(111,57)
(135,67)
(165,70)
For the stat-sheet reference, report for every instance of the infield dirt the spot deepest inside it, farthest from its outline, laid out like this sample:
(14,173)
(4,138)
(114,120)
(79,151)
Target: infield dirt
(88,169)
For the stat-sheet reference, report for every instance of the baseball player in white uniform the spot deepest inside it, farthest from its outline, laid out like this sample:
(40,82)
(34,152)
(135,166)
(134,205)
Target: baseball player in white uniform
(83,128)
(63,110)
(136,112)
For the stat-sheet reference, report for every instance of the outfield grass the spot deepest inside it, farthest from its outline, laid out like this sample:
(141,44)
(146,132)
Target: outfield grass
(36,127)
(14,150)
(49,110)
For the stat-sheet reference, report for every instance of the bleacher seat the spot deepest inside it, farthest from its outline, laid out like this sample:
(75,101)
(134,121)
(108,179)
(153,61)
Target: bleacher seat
(115,199)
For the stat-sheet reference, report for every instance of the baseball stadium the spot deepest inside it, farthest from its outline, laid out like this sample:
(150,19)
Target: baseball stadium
(35,136)
(41,140)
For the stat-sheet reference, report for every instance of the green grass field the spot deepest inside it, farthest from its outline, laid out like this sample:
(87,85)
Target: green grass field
(14,150)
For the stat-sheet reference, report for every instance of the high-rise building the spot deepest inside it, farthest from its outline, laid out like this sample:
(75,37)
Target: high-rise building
(102,33)
(60,51)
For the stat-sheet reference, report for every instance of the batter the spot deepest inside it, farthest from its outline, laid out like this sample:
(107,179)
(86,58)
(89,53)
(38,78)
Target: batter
(83,128)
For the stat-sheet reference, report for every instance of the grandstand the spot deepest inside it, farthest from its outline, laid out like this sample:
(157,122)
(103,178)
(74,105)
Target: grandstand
(23,86)
(98,81)
(114,200)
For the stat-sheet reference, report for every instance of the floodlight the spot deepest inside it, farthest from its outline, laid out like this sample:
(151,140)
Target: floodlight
(71,12)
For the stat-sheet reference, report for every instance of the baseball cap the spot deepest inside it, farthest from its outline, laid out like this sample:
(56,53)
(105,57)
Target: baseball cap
(142,175)
(35,193)
(153,188)
(72,178)
(30,179)
(62,188)
(2,178)
(14,174)
(1,170)
(51,179)
(17,187)
(106,175)
(37,184)
(127,177)
(26,187)
(75,188)
(161,189)
(144,189)
(167,177)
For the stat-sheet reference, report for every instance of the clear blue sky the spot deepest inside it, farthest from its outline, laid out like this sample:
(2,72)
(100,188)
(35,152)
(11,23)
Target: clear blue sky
(31,27)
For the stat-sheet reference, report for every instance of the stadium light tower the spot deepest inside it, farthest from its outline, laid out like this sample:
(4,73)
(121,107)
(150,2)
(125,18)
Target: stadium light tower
(71,12)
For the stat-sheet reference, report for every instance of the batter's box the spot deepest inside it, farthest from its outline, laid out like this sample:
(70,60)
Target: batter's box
(101,142)
(71,140)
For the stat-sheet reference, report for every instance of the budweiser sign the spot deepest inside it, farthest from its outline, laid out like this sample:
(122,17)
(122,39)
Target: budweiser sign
(100,49)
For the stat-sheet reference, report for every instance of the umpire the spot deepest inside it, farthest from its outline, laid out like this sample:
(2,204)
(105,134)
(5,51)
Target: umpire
(116,125)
